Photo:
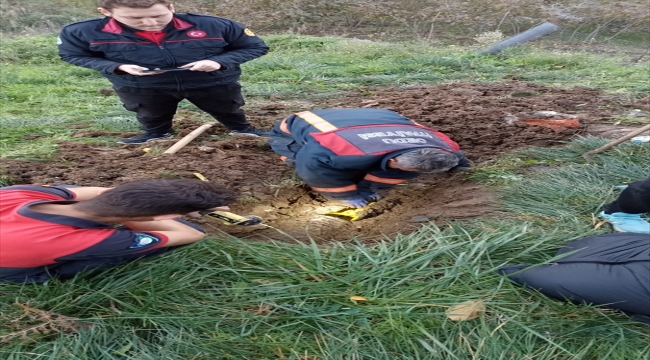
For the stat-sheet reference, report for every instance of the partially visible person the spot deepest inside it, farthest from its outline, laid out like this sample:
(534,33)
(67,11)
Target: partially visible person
(198,57)
(625,212)
(610,270)
(349,155)
(58,231)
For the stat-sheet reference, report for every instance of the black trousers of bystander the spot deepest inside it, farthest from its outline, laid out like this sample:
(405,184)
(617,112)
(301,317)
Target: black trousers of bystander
(155,108)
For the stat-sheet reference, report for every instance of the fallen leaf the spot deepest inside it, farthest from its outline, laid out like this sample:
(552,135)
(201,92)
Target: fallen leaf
(372,104)
(304,268)
(358,298)
(279,353)
(600,224)
(201,177)
(146,149)
(467,310)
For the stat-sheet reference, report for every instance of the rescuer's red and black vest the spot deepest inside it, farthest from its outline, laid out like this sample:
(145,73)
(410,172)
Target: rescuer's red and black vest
(340,152)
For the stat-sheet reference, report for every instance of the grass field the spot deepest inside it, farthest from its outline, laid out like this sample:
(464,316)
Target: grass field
(228,299)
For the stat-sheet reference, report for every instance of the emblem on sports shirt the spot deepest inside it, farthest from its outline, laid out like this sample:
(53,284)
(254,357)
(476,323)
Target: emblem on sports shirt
(142,240)
(196,33)
(249,32)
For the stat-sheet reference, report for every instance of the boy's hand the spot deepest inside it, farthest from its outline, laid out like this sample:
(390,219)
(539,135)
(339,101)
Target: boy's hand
(203,65)
(136,70)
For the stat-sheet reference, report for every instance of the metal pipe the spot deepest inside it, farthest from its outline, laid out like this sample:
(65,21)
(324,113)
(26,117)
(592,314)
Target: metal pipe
(530,34)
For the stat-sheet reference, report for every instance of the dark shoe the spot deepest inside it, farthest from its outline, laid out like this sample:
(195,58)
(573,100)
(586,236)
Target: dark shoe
(145,138)
(251,131)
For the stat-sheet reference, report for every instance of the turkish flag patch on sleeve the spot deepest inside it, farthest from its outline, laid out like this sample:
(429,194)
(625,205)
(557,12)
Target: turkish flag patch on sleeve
(196,33)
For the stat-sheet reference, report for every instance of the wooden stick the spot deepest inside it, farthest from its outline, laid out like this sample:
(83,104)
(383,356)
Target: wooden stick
(189,137)
(615,142)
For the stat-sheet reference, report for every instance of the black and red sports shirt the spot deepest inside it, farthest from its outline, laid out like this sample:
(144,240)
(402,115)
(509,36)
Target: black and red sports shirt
(33,245)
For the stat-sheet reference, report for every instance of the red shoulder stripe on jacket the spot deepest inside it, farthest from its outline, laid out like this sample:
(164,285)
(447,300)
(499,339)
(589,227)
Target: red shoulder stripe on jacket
(337,189)
(381,180)
(454,145)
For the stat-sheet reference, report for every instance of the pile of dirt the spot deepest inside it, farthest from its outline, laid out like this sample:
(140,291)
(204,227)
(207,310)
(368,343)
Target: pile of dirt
(476,115)
(473,114)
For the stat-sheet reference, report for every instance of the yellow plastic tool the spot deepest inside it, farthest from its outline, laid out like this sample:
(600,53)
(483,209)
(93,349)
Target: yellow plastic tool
(349,214)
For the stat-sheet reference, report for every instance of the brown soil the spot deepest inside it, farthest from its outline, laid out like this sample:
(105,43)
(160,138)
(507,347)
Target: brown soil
(476,115)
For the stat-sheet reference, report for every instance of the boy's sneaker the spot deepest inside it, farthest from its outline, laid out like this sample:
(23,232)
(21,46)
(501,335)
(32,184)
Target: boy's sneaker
(250,131)
(624,222)
(145,138)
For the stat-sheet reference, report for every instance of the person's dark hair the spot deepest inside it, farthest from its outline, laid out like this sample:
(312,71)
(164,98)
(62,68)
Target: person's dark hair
(427,160)
(136,4)
(157,197)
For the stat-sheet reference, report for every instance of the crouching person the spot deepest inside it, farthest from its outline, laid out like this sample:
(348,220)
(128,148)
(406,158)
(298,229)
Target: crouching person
(350,155)
(59,231)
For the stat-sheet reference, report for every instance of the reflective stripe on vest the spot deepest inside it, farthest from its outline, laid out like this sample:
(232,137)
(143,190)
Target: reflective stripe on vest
(316,121)
(284,128)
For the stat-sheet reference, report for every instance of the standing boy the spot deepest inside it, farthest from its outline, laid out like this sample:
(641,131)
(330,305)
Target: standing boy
(198,58)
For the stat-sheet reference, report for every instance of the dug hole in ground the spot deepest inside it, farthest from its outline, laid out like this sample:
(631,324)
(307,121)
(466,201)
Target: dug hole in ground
(476,115)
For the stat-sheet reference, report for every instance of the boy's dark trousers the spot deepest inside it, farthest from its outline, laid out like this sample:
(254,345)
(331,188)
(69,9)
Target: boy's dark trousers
(155,108)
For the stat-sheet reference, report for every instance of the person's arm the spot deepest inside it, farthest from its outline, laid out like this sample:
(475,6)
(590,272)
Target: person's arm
(76,51)
(177,231)
(242,46)
(86,192)
(123,243)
